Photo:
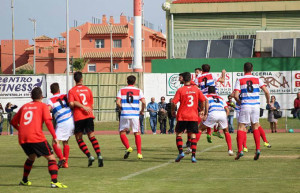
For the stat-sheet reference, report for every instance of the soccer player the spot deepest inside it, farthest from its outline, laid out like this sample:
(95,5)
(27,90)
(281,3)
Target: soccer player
(198,72)
(29,122)
(248,85)
(205,80)
(128,100)
(187,115)
(81,100)
(217,114)
(62,113)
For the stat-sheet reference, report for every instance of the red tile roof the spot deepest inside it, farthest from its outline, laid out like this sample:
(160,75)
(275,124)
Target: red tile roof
(219,1)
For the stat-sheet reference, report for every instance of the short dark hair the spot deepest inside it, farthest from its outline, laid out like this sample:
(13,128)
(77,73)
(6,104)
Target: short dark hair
(77,76)
(131,80)
(211,89)
(229,96)
(198,69)
(36,93)
(186,76)
(206,67)
(248,67)
(54,88)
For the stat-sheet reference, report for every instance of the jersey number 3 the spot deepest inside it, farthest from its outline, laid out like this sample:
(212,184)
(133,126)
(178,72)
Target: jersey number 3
(191,101)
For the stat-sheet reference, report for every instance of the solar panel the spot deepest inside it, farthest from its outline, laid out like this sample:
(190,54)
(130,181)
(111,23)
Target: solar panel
(283,48)
(219,49)
(242,48)
(197,49)
(297,47)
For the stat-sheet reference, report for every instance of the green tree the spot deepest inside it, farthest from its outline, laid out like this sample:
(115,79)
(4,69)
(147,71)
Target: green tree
(79,63)
(22,71)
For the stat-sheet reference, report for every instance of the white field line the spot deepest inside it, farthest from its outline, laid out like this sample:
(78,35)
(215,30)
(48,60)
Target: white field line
(161,165)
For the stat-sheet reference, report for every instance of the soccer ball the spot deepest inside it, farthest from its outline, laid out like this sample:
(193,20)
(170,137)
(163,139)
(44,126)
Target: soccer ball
(166,6)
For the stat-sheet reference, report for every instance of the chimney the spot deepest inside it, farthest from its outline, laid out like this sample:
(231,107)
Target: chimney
(104,20)
(111,20)
(123,19)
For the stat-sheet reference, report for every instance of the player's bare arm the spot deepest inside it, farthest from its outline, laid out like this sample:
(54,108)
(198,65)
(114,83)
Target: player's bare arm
(173,106)
(79,105)
(236,97)
(227,111)
(119,103)
(222,78)
(143,106)
(267,94)
(206,110)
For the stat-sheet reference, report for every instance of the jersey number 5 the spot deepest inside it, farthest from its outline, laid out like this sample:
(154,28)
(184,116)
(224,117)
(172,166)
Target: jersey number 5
(28,117)
(191,101)
(83,99)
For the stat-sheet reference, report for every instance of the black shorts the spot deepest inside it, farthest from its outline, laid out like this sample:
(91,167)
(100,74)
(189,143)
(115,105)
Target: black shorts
(190,126)
(84,126)
(40,149)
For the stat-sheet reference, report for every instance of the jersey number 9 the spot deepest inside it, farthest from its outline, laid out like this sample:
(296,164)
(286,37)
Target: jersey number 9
(28,117)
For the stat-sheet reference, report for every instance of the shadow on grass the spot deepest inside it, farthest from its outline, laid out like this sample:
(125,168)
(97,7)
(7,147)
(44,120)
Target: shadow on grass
(20,166)
(32,186)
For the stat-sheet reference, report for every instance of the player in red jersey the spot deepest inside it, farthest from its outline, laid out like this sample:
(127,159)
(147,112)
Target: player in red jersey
(81,101)
(187,115)
(29,122)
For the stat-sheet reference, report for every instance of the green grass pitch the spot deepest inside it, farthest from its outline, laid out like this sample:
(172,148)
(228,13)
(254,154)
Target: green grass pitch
(277,170)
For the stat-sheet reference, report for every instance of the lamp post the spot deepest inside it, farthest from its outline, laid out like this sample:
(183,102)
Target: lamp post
(34,52)
(13,37)
(67,50)
(79,40)
(111,45)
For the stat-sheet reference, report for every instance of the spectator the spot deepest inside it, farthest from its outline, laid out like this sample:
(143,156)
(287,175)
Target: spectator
(231,107)
(9,108)
(1,118)
(152,108)
(171,118)
(296,110)
(162,115)
(274,105)
(141,118)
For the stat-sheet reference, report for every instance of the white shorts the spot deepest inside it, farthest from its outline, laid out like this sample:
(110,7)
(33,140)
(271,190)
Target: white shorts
(216,118)
(127,123)
(237,119)
(65,129)
(249,114)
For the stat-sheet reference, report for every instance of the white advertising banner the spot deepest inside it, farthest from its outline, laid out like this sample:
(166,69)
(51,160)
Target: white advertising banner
(223,88)
(21,86)
(296,81)
(277,82)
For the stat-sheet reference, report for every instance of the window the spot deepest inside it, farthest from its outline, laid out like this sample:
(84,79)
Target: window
(243,37)
(99,43)
(132,43)
(129,66)
(228,37)
(92,68)
(116,66)
(117,43)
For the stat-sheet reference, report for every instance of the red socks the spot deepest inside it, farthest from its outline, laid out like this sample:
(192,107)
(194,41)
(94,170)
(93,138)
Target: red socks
(228,140)
(52,167)
(216,129)
(208,131)
(198,135)
(245,139)
(138,143)
(240,140)
(125,141)
(57,151)
(194,147)
(256,136)
(95,144)
(179,144)
(66,152)
(262,134)
(27,168)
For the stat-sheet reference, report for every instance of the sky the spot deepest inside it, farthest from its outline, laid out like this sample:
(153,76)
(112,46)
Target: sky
(51,15)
